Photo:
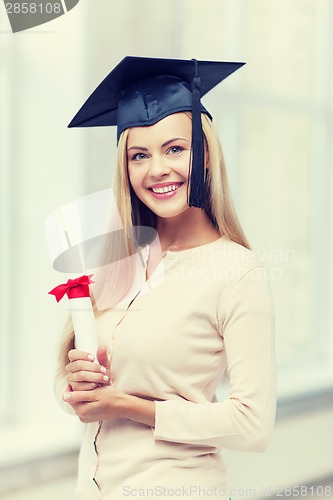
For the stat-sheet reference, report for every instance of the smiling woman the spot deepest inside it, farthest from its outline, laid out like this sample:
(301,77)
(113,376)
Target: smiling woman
(198,309)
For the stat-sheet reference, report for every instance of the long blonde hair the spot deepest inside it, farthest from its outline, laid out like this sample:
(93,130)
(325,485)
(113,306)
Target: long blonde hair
(219,204)
(134,213)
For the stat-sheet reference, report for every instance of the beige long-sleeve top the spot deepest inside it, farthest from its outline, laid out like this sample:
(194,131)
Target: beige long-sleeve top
(204,315)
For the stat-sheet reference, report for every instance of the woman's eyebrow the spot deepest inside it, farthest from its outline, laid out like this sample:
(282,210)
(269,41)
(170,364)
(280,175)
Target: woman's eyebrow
(140,148)
(174,139)
(137,147)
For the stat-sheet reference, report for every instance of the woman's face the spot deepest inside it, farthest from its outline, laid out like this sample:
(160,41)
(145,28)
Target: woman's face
(158,160)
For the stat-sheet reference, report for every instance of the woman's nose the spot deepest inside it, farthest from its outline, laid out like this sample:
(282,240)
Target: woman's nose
(158,168)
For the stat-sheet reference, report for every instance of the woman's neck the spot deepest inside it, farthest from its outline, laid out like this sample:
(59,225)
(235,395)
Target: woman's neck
(190,229)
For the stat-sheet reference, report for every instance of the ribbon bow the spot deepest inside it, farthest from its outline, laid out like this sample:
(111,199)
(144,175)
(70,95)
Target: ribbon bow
(79,287)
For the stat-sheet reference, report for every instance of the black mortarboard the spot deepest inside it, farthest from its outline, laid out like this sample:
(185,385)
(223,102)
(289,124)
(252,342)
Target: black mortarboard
(140,91)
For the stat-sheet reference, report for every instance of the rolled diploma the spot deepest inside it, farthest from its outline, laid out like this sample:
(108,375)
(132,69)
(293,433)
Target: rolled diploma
(84,324)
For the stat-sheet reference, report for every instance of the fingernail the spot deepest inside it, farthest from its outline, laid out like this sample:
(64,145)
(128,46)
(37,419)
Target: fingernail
(90,356)
(103,369)
(67,396)
(106,378)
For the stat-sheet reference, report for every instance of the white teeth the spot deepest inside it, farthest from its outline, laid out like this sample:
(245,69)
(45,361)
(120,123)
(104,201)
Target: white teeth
(165,189)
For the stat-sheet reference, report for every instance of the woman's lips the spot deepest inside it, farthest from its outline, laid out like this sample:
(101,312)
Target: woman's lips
(165,190)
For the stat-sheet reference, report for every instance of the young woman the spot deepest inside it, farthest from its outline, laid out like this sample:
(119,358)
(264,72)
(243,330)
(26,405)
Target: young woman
(154,427)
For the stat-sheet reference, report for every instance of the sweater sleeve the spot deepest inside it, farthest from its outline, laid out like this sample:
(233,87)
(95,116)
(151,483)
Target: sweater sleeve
(245,420)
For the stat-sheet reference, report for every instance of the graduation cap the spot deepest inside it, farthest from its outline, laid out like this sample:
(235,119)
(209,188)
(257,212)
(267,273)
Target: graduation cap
(140,91)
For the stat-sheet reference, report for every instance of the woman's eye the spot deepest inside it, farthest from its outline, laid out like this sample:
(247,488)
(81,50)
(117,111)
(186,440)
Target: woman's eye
(138,157)
(175,150)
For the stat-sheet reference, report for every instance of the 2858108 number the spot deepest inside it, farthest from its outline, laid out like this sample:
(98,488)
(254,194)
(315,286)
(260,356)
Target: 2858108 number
(33,8)
(304,491)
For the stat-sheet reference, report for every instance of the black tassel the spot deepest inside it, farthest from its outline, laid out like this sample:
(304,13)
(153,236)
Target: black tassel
(197,181)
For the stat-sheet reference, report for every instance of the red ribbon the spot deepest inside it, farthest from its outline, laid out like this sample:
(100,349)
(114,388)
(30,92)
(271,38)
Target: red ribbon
(74,289)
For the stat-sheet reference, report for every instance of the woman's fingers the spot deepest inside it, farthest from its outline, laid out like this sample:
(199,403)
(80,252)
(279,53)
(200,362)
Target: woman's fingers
(75,354)
(102,356)
(81,365)
(83,376)
(104,360)
(83,386)
(79,397)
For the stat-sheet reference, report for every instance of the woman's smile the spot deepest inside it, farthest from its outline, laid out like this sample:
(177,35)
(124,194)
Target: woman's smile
(165,190)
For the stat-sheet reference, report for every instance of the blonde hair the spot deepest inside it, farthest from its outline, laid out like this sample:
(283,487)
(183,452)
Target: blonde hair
(219,204)
(134,213)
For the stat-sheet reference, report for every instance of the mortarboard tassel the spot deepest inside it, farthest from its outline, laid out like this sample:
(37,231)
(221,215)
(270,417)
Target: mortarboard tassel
(197,182)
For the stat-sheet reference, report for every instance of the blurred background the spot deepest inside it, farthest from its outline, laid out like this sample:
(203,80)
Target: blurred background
(274,118)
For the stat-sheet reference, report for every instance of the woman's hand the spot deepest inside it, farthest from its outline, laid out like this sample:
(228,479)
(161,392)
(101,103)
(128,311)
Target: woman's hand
(85,375)
(108,403)
(101,403)
(92,396)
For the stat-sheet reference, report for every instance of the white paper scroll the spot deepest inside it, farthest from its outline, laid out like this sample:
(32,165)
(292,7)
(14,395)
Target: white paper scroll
(72,234)
(77,235)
